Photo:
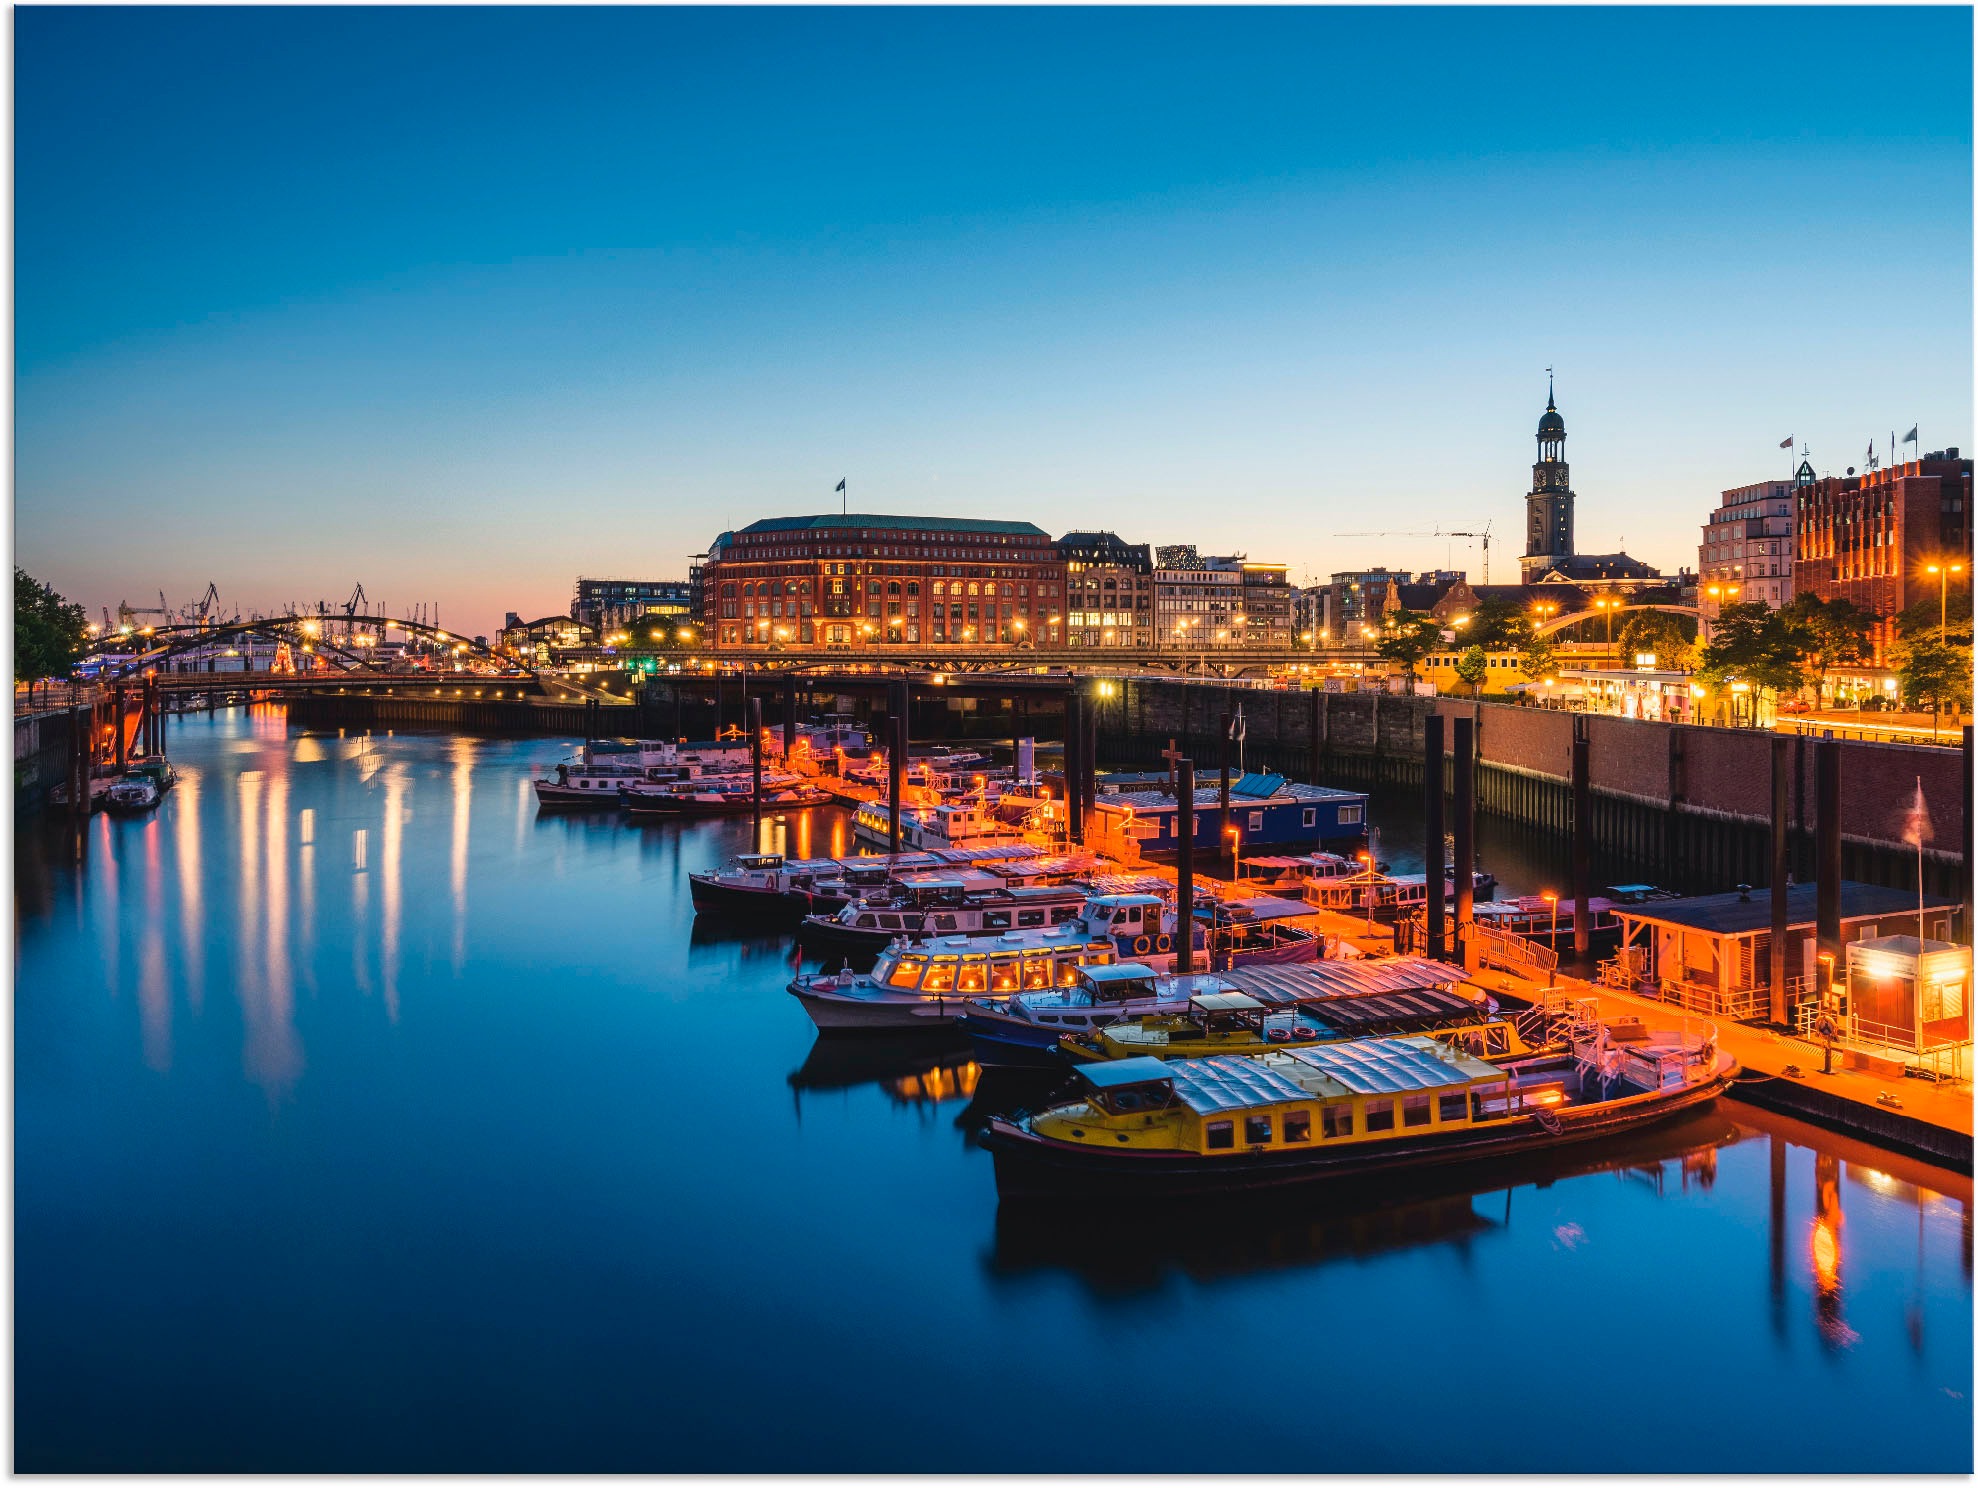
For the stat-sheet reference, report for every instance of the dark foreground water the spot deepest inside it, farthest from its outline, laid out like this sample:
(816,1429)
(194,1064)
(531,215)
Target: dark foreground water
(367,1120)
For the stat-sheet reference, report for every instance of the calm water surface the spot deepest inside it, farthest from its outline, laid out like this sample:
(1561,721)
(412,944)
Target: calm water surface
(366,1119)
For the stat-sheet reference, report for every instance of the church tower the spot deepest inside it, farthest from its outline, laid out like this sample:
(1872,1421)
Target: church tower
(1549,507)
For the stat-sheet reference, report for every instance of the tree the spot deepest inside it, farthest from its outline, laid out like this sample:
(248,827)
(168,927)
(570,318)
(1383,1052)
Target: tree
(1408,637)
(1667,636)
(1538,657)
(1831,632)
(1756,645)
(1499,622)
(48,631)
(1933,674)
(1472,667)
(1923,617)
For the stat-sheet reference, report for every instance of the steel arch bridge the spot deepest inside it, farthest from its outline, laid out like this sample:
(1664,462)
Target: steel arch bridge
(1576,617)
(306,631)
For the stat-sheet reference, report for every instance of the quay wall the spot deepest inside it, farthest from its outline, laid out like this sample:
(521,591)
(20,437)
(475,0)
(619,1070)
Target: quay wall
(1691,804)
(41,751)
(462,715)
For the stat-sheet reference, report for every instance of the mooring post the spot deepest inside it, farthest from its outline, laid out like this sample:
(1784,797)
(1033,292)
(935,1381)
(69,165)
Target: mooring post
(1434,852)
(1312,736)
(1088,784)
(1827,858)
(1968,831)
(1466,832)
(121,756)
(1582,833)
(755,774)
(789,719)
(1781,845)
(1222,793)
(896,761)
(1074,737)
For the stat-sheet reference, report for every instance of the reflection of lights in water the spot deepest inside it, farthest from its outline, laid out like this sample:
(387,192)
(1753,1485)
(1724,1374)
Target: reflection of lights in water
(463,796)
(154,996)
(837,838)
(942,1082)
(394,842)
(1826,1256)
(191,882)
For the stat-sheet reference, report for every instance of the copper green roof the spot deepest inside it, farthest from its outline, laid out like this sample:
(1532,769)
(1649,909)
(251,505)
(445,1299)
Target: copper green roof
(866,522)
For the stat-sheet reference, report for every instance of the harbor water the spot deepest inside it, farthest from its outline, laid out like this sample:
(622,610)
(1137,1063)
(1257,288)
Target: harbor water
(367,1119)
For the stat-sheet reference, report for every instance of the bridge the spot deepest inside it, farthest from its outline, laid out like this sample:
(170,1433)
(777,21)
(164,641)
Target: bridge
(1576,617)
(339,641)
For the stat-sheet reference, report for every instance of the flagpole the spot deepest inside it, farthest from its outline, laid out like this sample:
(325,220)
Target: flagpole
(1919,876)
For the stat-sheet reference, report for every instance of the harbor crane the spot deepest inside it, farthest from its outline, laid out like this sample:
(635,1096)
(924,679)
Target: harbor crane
(1483,536)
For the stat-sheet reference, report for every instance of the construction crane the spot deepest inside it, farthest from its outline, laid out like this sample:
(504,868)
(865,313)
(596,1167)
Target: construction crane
(1483,536)
(356,599)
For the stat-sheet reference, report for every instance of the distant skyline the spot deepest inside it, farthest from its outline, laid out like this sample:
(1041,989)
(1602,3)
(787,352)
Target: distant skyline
(464,303)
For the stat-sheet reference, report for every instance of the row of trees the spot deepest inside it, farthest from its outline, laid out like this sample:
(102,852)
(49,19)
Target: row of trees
(1781,652)
(48,632)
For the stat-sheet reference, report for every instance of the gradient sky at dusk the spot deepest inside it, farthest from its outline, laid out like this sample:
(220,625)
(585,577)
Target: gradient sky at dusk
(462,303)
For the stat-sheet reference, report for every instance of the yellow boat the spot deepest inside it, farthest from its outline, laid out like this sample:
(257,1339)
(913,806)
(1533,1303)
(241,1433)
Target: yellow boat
(1237,1023)
(1145,1127)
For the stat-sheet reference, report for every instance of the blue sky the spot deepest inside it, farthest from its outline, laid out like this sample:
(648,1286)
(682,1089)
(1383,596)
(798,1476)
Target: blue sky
(462,303)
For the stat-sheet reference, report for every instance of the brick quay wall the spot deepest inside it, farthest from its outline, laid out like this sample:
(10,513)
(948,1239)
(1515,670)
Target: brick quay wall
(1693,802)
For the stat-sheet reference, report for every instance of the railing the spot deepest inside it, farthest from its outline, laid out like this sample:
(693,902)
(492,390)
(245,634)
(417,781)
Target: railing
(1509,952)
(1737,1003)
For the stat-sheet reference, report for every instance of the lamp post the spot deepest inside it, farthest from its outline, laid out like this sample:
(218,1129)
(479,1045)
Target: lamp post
(1368,893)
(1235,853)
(1552,972)
(1943,571)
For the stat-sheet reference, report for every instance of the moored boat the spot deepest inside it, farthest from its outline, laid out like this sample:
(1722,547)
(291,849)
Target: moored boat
(1144,1127)
(951,903)
(928,983)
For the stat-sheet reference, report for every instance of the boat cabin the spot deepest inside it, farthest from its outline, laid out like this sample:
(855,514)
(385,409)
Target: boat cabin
(960,967)
(1909,996)
(1264,808)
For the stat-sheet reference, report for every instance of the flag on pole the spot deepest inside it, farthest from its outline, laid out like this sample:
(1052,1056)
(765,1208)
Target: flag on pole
(1910,437)
(840,486)
(1786,443)
(1916,829)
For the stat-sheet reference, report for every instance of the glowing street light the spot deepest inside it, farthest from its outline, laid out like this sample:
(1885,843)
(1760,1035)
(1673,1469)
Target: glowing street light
(1943,573)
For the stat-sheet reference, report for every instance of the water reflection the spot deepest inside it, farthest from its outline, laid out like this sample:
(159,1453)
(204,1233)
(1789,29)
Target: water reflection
(912,1068)
(1133,1249)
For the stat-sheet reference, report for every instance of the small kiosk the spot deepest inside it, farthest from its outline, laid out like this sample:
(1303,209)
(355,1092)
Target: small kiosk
(1911,997)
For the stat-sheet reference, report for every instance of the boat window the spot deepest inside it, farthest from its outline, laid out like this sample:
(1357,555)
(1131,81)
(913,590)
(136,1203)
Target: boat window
(1063,913)
(1036,973)
(940,976)
(1078,1018)
(1452,1107)
(944,922)
(1028,917)
(1004,976)
(1068,974)
(1339,1120)
(974,976)
(1380,1114)
(1219,1134)
(1298,1126)
(867,922)
(997,919)
(889,922)
(1256,821)
(1256,1130)
(1047,1017)
(1311,816)
(1414,1110)
(907,973)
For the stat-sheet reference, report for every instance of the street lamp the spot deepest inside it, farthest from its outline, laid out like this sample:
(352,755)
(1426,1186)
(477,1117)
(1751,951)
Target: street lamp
(1943,573)
(1235,853)
(1552,898)
(1368,891)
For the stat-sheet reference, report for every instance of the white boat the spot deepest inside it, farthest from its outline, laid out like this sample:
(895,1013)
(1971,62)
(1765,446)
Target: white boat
(926,828)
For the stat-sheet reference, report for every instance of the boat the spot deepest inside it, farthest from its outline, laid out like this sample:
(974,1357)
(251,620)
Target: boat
(1144,1127)
(132,792)
(927,983)
(585,786)
(1394,896)
(946,824)
(1025,1030)
(950,903)
(772,886)
(1237,1023)
(722,796)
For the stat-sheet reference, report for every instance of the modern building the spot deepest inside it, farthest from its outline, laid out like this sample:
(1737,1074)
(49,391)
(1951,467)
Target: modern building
(865,580)
(609,604)
(1109,590)
(1222,603)
(539,640)
(1746,555)
(1550,556)
(1356,600)
(1872,538)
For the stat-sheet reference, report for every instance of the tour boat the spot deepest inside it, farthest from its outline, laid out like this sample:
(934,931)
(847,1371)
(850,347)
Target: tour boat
(926,827)
(1143,1127)
(926,984)
(772,886)
(950,903)
(1395,896)
(1238,1023)
(723,796)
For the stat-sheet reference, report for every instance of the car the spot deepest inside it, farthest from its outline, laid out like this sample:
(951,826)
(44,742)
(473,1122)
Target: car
(1795,705)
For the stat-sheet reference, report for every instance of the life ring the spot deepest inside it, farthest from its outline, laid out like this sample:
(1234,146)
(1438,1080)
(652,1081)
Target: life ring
(1140,945)
(1277,1035)
(1307,1034)
(1163,943)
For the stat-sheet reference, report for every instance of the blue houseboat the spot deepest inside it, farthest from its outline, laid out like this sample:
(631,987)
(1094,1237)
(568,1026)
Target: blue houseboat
(1267,812)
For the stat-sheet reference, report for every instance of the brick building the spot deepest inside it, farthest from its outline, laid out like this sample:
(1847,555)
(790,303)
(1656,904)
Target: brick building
(1746,554)
(1109,590)
(850,582)
(1871,537)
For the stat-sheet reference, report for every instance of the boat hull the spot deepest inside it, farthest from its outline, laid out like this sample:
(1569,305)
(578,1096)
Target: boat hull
(741,901)
(1033,1167)
(877,1013)
(569,798)
(740,806)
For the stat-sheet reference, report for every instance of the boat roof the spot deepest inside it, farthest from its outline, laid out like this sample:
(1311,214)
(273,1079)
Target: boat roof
(1310,979)
(1117,973)
(1263,907)
(1113,1073)
(1227,1083)
(1391,1066)
(1115,901)
(761,860)
(1131,883)
(1224,1002)
(933,880)
(1356,1014)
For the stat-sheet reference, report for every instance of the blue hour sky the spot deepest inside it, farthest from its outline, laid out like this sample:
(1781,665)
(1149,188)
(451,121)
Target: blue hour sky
(462,303)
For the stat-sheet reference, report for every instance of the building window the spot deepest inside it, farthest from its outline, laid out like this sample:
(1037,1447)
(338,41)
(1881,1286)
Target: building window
(1350,816)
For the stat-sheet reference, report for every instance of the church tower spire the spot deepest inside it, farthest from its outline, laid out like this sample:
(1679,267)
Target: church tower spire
(1549,505)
